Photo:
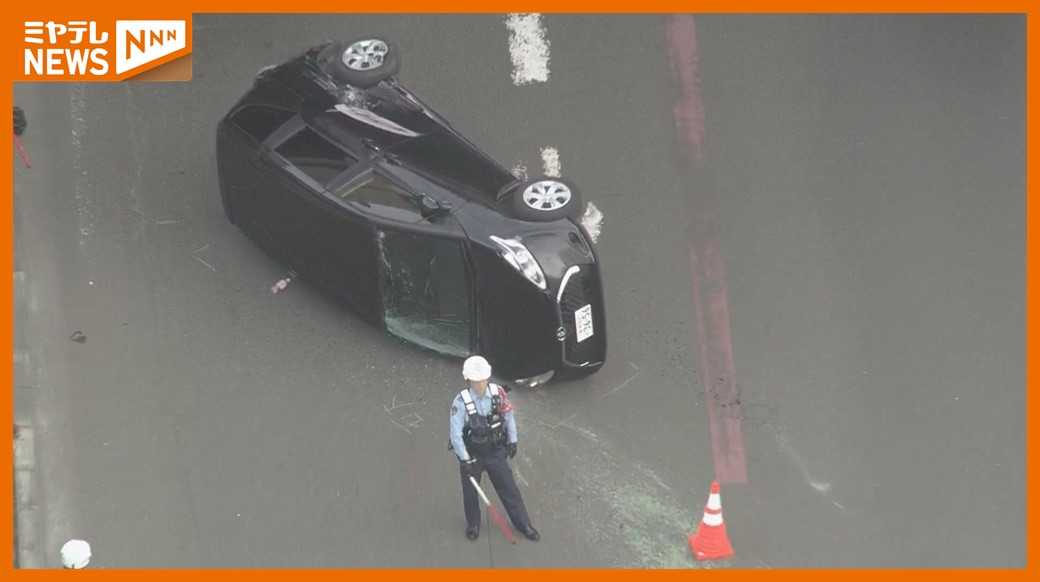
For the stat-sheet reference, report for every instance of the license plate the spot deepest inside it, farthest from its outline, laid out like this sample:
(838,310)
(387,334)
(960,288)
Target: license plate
(583,322)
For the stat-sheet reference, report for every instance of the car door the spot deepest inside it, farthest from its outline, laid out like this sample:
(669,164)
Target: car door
(331,246)
(423,275)
(254,191)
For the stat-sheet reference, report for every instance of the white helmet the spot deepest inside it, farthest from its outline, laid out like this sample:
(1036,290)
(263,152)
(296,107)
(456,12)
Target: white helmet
(476,368)
(75,554)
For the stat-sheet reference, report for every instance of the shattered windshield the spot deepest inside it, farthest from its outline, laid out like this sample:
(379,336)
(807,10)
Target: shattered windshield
(426,291)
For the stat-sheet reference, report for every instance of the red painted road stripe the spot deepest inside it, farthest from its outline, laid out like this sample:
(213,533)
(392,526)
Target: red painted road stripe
(710,302)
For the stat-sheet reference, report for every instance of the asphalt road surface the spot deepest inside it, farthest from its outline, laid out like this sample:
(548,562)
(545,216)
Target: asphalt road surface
(842,197)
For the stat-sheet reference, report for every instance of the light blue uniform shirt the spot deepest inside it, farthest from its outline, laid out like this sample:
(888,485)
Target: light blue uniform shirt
(459,418)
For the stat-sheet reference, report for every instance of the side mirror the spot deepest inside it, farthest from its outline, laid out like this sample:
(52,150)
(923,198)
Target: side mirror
(431,208)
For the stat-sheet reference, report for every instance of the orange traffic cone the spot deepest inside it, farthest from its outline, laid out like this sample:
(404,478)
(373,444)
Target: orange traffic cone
(710,541)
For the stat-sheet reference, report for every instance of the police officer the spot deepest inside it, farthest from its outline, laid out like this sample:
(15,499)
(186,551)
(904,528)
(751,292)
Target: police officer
(483,435)
(19,121)
(75,554)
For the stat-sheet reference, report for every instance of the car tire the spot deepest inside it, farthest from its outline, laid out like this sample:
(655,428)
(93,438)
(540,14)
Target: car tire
(225,201)
(366,62)
(228,214)
(546,199)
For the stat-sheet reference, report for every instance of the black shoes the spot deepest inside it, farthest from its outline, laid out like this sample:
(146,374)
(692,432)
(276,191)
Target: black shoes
(473,532)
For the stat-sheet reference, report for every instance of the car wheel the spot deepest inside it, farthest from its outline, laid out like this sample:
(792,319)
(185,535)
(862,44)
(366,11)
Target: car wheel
(546,199)
(367,62)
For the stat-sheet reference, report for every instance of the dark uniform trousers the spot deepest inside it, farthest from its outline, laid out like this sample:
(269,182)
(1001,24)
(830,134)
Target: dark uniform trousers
(492,458)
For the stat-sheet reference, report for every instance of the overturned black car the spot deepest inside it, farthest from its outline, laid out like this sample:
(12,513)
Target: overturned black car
(335,169)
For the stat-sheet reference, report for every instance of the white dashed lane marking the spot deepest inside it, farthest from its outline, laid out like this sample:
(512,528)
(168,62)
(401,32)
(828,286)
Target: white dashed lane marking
(592,220)
(551,162)
(528,48)
(529,52)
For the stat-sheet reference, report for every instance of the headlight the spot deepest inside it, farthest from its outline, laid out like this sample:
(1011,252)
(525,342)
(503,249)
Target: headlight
(516,254)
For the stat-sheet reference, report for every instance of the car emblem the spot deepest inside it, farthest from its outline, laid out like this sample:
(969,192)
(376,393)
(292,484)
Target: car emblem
(561,334)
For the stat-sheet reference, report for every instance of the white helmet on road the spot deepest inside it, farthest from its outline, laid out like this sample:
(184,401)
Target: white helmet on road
(75,554)
(476,368)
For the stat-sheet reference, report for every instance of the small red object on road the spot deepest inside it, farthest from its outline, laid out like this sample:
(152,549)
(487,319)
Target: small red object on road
(21,151)
(281,285)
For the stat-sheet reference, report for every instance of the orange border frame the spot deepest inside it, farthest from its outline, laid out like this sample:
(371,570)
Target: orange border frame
(11,62)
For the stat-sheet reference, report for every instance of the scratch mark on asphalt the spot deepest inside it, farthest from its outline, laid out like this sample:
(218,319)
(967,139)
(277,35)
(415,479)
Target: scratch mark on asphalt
(404,428)
(138,143)
(657,479)
(564,421)
(212,268)
(623,384)
(583,432)
(395,405)
(783,439)
(413,423)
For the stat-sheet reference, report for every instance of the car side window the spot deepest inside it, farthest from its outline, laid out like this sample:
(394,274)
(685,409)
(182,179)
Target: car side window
(378,195)
(315,156)
(260,121)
